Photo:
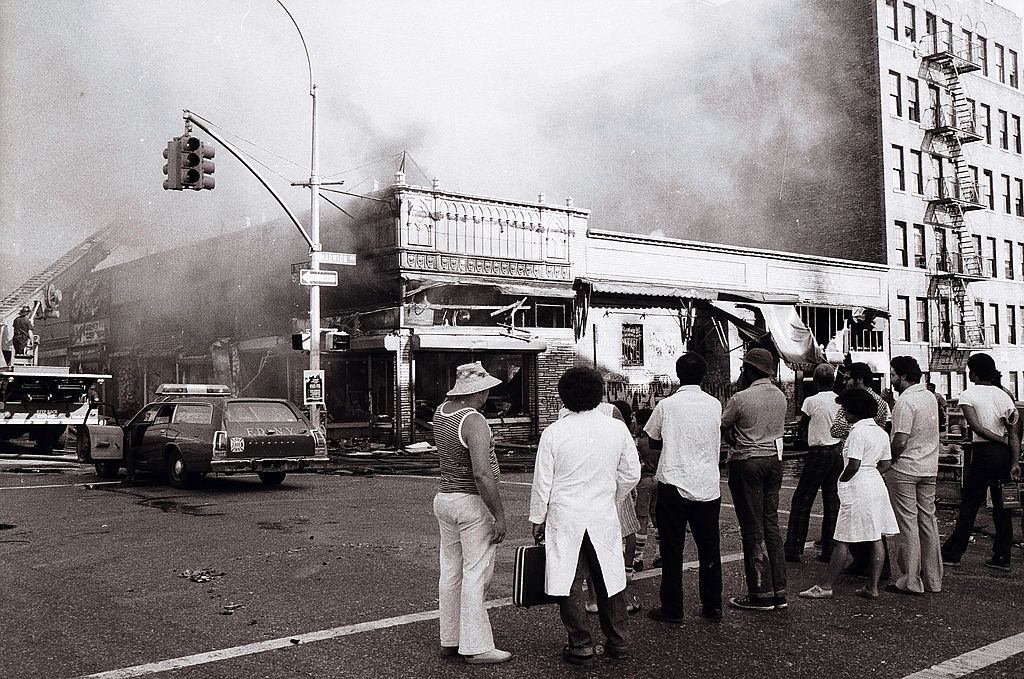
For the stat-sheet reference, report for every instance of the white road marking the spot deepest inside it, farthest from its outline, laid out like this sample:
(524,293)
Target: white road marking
(972,661)
(322,635)
(63,485)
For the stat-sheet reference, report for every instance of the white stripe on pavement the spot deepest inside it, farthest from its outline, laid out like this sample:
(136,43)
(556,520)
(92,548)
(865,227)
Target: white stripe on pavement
(972,661)
(63,485)
(322,635)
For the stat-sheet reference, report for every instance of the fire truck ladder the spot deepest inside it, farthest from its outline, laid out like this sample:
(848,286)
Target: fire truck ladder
(950,276)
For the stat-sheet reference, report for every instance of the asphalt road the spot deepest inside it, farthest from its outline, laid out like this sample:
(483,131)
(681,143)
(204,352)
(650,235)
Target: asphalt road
(92,582)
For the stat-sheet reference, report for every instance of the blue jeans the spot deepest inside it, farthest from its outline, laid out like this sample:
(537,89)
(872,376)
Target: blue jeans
(755,484)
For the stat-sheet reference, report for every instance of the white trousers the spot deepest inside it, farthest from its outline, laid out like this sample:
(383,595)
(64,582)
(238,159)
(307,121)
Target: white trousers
(467,565)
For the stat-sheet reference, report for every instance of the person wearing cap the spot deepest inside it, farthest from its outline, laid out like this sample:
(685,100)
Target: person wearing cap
(22,330)
(586,463)
(754,422)
(470,517)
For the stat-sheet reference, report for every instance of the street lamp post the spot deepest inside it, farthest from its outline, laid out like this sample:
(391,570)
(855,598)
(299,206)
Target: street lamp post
(314,229)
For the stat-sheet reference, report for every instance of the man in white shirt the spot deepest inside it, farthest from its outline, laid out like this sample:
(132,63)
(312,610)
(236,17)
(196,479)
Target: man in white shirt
(915,553)
(822,466)
(686,427)
(993,457)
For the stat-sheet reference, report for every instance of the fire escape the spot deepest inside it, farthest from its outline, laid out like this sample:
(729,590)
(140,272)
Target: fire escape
(955,328)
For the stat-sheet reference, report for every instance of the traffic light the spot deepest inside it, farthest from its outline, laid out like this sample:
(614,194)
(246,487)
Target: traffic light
(338,340)
(172,168)
(197,169)
(300,341)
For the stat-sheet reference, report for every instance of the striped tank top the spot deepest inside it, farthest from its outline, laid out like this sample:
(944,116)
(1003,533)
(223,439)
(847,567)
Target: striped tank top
(456,463)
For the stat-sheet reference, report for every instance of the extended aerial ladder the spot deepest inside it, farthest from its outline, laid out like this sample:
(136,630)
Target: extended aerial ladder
(955,328)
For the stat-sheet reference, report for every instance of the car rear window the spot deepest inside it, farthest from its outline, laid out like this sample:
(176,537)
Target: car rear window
(192,413)
(259,411)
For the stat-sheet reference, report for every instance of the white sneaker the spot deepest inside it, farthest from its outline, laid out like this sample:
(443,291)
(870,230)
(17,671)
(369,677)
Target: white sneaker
(492,657)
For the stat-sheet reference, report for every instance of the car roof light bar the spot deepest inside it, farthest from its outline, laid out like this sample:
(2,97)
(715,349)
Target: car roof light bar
(188,389)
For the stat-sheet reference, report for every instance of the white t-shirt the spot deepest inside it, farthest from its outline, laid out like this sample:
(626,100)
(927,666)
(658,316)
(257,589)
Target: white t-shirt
(991,404)
(822,409)
(689,425)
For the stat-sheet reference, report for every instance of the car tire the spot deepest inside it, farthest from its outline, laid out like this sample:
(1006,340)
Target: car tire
(177,474)
(271,478)
(108,469)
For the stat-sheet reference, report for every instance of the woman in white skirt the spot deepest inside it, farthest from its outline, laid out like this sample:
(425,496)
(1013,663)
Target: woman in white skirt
(865,514)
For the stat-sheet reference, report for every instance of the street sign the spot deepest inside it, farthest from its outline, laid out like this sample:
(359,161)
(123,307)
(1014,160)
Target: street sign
(317,277)
(313,387)
(339,258)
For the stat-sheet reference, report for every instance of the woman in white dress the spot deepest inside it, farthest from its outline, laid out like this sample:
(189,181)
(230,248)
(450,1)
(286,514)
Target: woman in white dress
(865,514)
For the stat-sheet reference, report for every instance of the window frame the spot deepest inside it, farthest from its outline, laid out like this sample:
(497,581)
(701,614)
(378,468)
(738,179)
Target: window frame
(635,353)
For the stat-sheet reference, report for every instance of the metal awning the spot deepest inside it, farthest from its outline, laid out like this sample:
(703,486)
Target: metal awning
(419,283)
(644,289)
(757,296)
(445,341)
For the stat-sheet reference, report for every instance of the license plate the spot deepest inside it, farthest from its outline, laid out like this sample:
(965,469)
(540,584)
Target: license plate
(47,413)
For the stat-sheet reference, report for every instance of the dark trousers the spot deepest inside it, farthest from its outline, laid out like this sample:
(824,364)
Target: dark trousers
(987,465)
(755,484)
(611,610)
(822,467)
(674,513)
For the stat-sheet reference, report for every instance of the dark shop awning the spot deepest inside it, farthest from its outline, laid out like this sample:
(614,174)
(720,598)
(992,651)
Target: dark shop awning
(441,341)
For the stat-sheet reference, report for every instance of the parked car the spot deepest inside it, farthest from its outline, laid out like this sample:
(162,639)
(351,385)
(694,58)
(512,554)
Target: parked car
(194,429)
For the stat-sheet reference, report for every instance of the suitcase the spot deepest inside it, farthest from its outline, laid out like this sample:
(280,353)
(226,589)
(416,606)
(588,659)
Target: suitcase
(528,578)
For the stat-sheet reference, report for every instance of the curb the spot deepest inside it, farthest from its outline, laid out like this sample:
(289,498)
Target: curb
(40,458)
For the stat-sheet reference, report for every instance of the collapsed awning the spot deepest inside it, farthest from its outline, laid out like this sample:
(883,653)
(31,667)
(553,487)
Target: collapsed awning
(787,332)
(450,339)
(644,289)
(757,296)
(418,283)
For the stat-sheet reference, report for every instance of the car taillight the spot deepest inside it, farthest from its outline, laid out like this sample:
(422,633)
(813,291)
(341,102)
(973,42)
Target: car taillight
(319,442)
(220,444)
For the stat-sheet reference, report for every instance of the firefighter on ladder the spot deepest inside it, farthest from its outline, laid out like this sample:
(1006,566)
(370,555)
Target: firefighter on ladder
(23,336)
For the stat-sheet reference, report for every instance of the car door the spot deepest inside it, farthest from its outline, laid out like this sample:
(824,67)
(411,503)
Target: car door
(151,450)
(191,431)
(136,429)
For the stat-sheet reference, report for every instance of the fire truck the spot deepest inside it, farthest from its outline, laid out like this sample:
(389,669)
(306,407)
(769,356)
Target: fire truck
(37,400)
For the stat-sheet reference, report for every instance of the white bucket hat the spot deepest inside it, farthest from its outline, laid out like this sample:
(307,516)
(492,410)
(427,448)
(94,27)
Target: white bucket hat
(471,378)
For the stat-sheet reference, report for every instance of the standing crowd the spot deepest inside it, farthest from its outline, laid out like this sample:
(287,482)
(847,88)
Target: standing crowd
(603,479)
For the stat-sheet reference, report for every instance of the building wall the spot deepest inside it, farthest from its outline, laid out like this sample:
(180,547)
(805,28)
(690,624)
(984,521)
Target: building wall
(906,206)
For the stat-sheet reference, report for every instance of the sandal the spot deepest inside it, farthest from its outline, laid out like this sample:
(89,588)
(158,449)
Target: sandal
(816,592)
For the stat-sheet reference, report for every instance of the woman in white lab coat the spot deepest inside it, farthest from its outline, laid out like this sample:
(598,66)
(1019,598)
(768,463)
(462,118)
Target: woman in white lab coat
(586,462)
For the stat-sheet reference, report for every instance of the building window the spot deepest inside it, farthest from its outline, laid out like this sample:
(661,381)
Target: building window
(983,55)
(1006,193)
(1009,260)
(895,94)
(1019,197)
(1011,324)
(1013,69)
(933,113)
(901,244)
(435,375)
(910,25)
(891,23)
(947,35)
(1004,130)
(920,256)
(989,181)
(1016,133)
(1000,63)
(922,319)
(941,249)
(913,95)
(899,179)
(632,345)
(992,258)
(993,323)
(916,171)
(986,122)
(903,318)
(1020,318)
(1014,385)
(979,313)
(968,39)
(931,30)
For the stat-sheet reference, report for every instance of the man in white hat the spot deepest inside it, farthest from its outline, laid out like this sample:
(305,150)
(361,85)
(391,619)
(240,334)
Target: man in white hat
(470,517)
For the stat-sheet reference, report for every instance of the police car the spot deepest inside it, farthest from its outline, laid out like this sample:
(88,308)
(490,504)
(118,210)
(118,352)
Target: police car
(195,429)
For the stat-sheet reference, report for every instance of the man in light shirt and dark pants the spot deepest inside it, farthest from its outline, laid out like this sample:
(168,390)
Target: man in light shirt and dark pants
(685,434)
(915,554)
(754,421)
(822,466)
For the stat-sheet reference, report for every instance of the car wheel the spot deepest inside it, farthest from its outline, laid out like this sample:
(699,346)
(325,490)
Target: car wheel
(108,469)
(271,478)
(179,476)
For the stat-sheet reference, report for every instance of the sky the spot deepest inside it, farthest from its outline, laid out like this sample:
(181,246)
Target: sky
(508,99)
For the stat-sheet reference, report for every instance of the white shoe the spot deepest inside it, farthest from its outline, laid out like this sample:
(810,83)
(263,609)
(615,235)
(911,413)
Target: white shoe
(816,592)
(492,657)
